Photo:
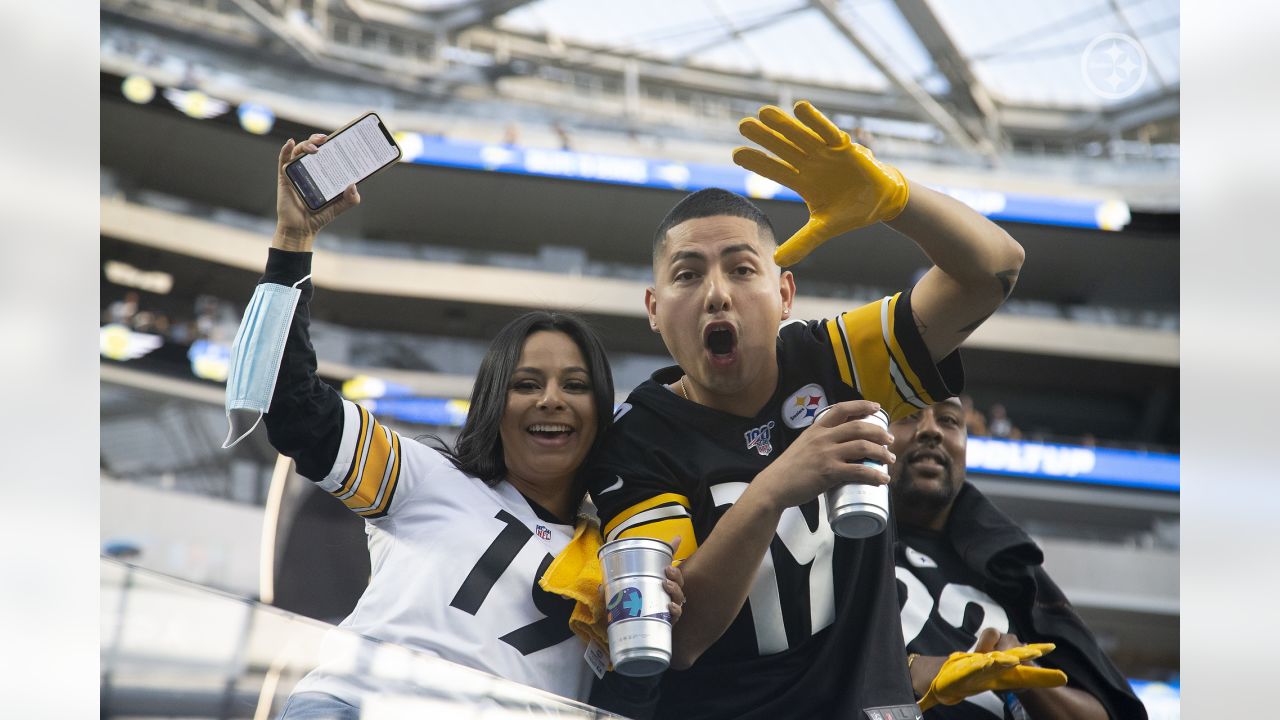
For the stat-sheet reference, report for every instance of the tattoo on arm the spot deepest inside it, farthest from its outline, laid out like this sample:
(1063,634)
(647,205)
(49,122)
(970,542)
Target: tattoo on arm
(920,326)
(974,325)
(1007,280)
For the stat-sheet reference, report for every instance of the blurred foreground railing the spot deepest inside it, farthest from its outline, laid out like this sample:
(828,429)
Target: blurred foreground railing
(175,649)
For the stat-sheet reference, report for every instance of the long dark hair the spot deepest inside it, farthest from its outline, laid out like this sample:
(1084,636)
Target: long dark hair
(478,449)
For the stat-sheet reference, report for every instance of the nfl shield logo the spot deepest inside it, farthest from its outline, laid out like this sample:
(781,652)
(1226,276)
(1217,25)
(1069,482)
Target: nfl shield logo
(759,438)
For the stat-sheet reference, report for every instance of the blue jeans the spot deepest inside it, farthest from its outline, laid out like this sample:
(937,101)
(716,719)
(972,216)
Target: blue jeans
(318,706)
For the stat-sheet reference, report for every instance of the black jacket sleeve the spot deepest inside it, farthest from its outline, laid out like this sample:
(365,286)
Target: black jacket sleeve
(305,420)
(1009,561)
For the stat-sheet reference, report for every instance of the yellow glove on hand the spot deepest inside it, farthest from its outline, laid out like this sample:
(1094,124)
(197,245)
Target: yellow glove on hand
(843,184)
(966,674)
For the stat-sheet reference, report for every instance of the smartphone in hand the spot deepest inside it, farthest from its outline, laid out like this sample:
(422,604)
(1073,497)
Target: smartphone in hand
(350,155)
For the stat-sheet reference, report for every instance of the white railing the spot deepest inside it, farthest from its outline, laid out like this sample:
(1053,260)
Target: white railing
(176,649)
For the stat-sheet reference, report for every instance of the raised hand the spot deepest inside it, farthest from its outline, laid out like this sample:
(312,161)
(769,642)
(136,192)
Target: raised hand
(296,224)
(841,182)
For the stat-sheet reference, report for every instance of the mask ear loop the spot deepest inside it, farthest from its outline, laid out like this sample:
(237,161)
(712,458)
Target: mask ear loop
(228,442)
(230,429)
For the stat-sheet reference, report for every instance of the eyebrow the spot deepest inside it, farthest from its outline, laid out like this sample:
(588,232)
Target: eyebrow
(537,371)
(697,255)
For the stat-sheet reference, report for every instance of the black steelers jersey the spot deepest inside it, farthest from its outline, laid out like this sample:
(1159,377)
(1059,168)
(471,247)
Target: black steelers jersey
(943,609)
(985,571)
(819,634)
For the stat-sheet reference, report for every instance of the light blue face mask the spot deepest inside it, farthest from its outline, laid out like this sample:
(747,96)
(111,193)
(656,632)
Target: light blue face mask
(255,357)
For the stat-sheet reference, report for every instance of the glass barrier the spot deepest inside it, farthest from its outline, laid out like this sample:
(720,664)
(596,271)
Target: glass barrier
(175,649)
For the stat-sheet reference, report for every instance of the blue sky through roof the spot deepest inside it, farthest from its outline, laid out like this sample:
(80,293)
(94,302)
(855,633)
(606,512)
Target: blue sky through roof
(1024,53)
(1031,53)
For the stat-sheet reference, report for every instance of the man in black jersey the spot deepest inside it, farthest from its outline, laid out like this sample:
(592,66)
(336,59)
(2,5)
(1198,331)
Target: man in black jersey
(964,566)
(783,619)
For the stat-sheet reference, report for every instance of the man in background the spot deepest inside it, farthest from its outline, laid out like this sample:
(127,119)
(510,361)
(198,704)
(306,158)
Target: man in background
(957,552)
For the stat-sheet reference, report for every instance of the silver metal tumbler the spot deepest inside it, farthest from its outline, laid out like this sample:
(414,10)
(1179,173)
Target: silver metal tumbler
(855,510)
(639,619)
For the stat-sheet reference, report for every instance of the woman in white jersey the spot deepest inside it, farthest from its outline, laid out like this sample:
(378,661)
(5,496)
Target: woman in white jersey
(458,537)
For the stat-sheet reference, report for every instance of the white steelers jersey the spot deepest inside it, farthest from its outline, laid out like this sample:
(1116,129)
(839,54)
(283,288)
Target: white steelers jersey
(455,565)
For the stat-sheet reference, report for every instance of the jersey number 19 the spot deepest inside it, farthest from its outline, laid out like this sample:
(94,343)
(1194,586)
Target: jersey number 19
(538,635)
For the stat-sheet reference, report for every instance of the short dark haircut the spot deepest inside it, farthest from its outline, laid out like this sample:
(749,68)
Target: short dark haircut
(478,449)
(710,202)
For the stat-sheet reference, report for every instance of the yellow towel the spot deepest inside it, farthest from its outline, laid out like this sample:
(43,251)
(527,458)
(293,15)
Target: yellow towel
(576,574)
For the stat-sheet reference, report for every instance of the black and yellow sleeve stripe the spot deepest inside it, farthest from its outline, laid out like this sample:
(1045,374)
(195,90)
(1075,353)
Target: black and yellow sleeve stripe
(664,517)
(883,361)
(371,478)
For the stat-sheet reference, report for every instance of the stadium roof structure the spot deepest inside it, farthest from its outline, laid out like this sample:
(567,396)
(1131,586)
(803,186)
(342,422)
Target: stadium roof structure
(967,67)
(980,77)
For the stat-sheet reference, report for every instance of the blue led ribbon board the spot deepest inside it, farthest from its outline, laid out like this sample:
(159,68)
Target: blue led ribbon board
(671,175)
(1073,463)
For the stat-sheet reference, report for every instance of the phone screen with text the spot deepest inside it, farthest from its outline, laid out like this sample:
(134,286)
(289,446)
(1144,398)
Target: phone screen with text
(346,158)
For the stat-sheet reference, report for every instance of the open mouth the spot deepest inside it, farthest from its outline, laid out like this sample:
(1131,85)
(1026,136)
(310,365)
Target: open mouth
(550,433)
(721,340)
(929,459)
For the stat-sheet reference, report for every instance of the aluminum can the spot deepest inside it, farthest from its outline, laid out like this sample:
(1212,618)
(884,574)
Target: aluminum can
(638,617)
(855,510)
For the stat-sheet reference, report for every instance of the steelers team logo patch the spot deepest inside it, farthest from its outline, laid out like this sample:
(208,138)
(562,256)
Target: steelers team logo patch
(799,409)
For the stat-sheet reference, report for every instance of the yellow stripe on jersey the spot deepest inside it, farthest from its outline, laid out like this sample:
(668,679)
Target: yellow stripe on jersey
(375,469)
(667,531)
(664,517)
(899,358)
(361,441)
(643,505)
(865,342)
(389,483)
(842,356)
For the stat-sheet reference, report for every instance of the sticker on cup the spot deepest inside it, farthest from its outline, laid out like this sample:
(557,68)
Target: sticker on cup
(629,602)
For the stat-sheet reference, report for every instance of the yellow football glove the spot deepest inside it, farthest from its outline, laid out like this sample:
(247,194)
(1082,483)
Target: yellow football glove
(966,674)
(843,184)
